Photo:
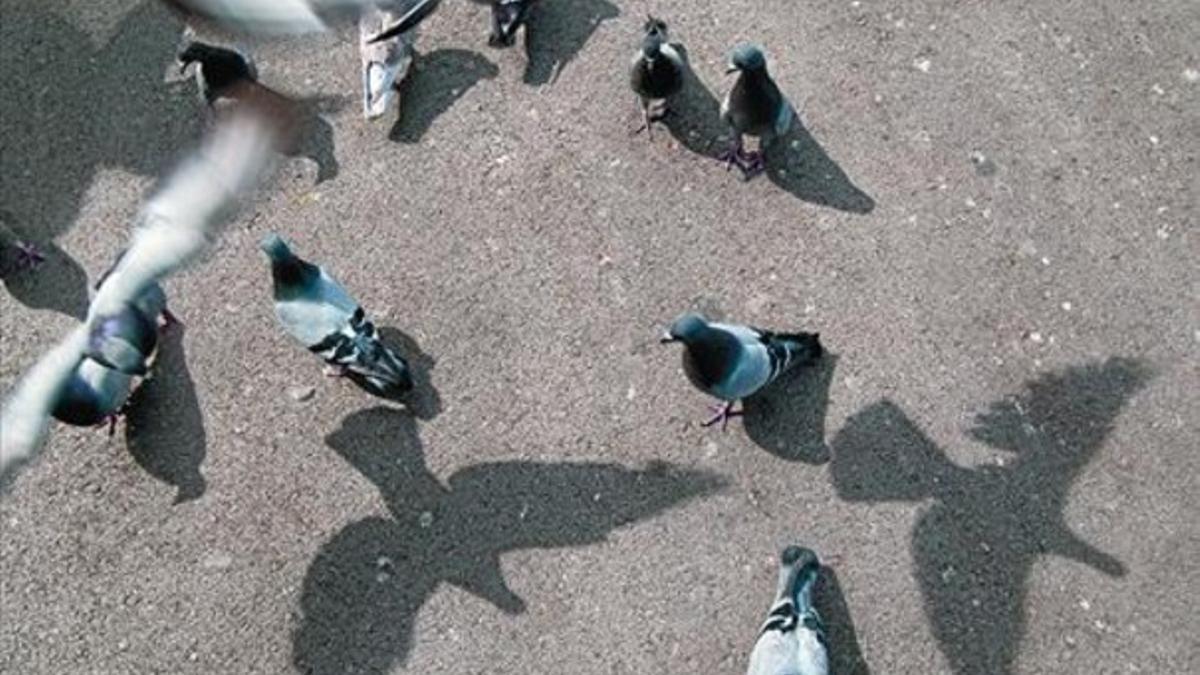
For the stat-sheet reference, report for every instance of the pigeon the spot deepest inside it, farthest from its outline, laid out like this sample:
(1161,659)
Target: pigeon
(127,341)
(753,107)
(271,17)
(316,311)
(93,395)
(26,254)
(657,73)
(792,640)
(174,226)
(217,70)
(732,361)
(384,63)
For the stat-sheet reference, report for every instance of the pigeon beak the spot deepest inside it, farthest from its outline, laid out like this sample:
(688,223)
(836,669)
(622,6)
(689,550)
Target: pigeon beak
(666,339)
(731,70)
(183,66)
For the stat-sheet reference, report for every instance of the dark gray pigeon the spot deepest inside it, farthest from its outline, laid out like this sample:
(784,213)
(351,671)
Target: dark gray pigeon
(753,107)
(316,311)
(657,73)
(732,361)
(792,640)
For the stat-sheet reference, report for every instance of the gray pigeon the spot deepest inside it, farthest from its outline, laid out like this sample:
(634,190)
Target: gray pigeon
(316,311)
(127,340)
(94,395)
(732,361)
(792,639)
(753,107)
(657,72)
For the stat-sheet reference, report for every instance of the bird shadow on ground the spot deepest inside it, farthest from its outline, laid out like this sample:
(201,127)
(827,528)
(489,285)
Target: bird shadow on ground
(58,284)
(845,654)
(316,135)
(423,401)
(438,79)
(71,109)
(164,425)
(787,419)
(362,592)
(556,31)
(975,544)
(796,162)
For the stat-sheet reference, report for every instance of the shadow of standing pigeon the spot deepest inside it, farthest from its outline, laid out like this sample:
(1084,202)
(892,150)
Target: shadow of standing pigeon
(436,82)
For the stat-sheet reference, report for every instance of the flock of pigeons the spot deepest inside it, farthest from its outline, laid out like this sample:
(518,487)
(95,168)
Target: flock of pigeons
(87,378)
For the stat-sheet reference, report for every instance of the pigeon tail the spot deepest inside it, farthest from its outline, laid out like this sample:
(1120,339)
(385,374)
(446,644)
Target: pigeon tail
(789,350)
(793,606)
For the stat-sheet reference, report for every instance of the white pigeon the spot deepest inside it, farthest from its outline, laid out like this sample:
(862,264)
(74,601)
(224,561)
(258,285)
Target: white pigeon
(792,639)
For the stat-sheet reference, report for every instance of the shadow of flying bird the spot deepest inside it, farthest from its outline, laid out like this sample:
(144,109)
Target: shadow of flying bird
(975,544)
(164,427)
(362,593)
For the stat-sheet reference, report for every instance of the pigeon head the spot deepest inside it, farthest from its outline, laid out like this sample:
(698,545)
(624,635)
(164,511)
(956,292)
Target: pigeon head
(747,57)
(221,67)
(655,26)
(509,15)
(686,329)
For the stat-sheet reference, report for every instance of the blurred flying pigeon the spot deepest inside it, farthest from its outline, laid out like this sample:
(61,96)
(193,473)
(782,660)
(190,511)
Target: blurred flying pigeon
(93,395)
(173,227)
(26,255)
(753,107)
(316,311)
(792,639)
(272,17)
(732,361)
(657,72)
(385,62)
(126,341)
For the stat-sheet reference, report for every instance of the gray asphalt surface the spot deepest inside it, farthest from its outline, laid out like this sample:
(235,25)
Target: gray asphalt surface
(989,214)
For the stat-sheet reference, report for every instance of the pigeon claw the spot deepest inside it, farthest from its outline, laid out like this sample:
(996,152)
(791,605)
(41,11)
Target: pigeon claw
(752,163)
(723,413)
(28,257)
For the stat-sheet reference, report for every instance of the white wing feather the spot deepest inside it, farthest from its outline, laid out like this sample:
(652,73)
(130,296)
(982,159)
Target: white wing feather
(26,412)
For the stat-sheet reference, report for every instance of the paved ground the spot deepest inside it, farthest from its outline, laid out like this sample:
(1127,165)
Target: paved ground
(988,214)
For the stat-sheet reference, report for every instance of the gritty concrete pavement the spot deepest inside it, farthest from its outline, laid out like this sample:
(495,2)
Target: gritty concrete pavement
(989,214)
